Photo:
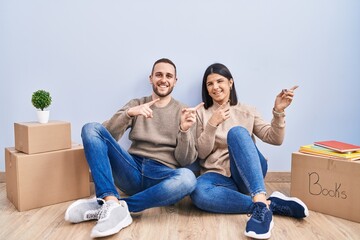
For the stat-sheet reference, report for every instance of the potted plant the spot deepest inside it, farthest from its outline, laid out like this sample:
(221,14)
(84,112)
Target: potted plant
(41,99)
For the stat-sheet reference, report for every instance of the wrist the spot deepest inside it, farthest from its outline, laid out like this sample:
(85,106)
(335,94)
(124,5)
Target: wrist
(182,129)
(128,114)
(278,113)
(278,109)
(213,124)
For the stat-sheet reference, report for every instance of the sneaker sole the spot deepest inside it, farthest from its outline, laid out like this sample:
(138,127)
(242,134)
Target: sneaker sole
(261,236)
(283,197)
(124,223)
(73,205)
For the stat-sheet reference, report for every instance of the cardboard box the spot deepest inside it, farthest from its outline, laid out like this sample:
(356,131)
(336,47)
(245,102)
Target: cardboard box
(43,179)
(326,185)
(34,137)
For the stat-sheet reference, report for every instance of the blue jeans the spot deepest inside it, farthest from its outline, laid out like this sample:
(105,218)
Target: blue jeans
(217,193)
(147,182)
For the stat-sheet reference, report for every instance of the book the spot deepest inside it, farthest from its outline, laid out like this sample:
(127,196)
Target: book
(325,152)
(338,146)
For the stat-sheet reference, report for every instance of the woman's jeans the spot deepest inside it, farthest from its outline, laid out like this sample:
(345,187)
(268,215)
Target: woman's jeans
(147,182)
(217,193)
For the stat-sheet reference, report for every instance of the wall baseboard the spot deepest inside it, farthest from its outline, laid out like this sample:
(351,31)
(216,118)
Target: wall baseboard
(280,177)
(284,177)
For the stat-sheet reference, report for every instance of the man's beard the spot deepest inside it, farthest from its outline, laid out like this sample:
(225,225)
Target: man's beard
(162,94)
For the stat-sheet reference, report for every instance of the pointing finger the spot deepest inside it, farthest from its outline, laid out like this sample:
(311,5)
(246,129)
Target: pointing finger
(194,108)
(224,105)
(198,106)
(152,102)
(293,88)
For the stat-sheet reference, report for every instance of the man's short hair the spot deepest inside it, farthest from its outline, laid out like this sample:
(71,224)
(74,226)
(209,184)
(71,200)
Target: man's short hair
(163,60)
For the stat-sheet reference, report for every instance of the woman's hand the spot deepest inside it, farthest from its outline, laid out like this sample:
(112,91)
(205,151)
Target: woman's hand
(220,115)
(284,99)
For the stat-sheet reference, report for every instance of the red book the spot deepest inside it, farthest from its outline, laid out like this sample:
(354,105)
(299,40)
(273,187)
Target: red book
(338,146)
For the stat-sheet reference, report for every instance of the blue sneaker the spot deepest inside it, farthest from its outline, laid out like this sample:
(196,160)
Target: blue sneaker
(260,224)
(287,206)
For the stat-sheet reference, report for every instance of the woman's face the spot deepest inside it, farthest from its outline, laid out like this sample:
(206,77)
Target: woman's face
(219,88)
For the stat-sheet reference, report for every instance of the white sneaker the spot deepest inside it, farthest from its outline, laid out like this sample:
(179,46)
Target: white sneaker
(113,217)
(83,210)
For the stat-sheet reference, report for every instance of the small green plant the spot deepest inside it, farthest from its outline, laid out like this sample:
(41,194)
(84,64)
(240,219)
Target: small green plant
(41,99)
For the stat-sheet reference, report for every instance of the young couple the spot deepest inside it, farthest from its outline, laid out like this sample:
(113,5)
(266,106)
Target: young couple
(167,136)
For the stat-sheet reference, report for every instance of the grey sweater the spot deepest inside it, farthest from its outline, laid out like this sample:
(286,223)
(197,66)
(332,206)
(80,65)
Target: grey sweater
(212,141)
(158,138)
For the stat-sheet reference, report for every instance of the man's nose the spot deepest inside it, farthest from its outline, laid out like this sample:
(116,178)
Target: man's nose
(162,79)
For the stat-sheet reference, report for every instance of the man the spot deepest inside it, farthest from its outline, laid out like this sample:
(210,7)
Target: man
(161,131)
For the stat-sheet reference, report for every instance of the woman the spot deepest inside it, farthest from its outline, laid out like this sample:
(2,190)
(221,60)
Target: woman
(232,167)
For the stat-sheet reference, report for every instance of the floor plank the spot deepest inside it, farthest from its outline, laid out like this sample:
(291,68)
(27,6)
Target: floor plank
(180,221)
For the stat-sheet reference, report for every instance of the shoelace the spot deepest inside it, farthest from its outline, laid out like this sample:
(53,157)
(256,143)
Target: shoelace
(257,212)
(103,212)
(105,209)
(94,214)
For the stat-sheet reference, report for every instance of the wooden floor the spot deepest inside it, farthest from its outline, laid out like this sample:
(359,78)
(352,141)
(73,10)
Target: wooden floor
(181,221)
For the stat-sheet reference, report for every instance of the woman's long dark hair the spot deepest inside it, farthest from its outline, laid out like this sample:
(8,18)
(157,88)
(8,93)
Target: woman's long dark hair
(222,70)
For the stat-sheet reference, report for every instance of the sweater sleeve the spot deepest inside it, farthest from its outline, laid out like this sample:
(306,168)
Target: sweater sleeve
(272,133)
(120,121)
(205,137)
(185,150)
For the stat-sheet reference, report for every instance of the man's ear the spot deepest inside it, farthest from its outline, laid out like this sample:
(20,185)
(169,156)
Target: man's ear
(175,81)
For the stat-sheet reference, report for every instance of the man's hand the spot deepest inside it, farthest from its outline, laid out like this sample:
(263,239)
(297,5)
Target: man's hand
(143,109)
(188,117)
(220,115)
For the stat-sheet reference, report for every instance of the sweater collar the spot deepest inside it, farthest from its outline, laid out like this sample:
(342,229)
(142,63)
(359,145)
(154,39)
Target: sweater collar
(216,105)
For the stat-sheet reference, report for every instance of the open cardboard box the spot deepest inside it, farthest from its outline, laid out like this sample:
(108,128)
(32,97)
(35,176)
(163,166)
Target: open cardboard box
(326,185)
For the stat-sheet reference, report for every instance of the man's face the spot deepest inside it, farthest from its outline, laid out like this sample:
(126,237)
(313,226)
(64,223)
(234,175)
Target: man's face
(163,79)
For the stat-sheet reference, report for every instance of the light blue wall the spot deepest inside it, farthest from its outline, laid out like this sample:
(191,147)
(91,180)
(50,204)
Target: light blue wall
(93,56)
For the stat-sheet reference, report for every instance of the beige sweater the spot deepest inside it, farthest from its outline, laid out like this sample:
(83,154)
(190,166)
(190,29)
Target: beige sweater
(212,141)
(158,138)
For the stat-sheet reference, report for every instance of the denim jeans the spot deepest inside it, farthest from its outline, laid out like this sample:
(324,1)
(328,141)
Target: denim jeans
(217,193)
(147,182)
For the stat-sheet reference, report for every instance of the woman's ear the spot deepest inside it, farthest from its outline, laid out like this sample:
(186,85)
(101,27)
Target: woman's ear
(231,82)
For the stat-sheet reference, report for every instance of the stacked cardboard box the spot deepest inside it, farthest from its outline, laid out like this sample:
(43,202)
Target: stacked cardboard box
(327,185)
(45,168)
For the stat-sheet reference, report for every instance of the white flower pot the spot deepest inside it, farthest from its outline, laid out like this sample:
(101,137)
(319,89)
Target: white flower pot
(43,116)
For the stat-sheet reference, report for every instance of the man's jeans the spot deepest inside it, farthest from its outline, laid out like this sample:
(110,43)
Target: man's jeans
(148,182)
(217,193)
